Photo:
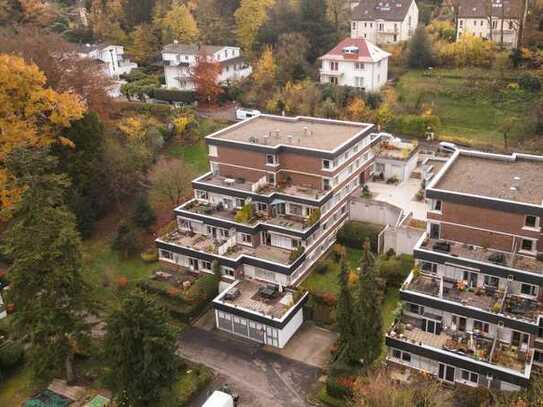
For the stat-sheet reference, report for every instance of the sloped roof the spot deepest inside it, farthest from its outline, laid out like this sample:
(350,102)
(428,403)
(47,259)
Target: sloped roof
(482,8)
(367,52)
(390,10)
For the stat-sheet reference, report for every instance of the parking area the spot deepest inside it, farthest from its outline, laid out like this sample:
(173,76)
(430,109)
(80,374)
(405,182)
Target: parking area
(261,378)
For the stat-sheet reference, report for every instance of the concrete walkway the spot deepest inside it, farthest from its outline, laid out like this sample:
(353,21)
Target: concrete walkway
(262,379)
(401,195)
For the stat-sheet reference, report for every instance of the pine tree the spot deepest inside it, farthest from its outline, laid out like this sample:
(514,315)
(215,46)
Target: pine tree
(47,286)
(344,315)
(368,316)
(419,49)
(140,348)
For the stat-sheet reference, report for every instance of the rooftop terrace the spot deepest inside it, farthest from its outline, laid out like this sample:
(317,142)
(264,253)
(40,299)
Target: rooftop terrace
(513,178)
(320,134)
(466,344)
(480,254)
(204,243)
(267,189)
(252,296)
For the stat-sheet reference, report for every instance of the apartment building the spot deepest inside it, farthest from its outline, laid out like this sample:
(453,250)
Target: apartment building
(270,206)
(357,63)
(384,21)
(180,59)
(473,310)
(496,20)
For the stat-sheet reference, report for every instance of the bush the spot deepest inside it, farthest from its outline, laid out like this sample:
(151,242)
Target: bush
(321,267)
(121,282)
(529,82)
(144,215)
(394,270)
(353,235)
(208,285)
(245,214)
(171,95)
(127,240)
(11,355)
(338,252)
(150,256)
(293,256)
(413,125)
(341,387)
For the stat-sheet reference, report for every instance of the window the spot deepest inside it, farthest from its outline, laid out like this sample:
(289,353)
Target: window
(271,179)
(228,271)
(461,23)
(491,281)
(481,326)
(381,27)
(213,152)
(261,206)
(415,309)
(295,209)
(202,195)
(359,66)
(531,221)
(326,164)
(510,25)
(333,80)
(240,203)
(494,24)
(206,265)
(528,289)
(326,184)
(470,376)
(406,357)
(396,354)
(245,238)
(295,243)
(429,267)
(270,159)
(359,82)
(333,66)
(354,25)
(527,245)
(166,254)
(436,205)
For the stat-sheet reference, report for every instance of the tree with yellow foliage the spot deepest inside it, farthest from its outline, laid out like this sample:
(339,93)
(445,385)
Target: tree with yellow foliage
(105,20)
(265,72)
(357,110)
(179,24)
(144,44)
(250,16)
(31,115)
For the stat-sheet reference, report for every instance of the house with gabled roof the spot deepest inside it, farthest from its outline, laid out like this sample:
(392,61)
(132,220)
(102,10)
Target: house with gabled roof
(384,21)
(355,62)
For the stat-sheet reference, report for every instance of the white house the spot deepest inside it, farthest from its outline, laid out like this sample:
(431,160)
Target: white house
(384,21)
(355,62)
(180,59)
(112,56)
(496,20)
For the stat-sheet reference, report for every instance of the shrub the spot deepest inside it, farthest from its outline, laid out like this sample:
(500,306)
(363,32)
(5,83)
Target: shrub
(529,82)
(353,235)
(338,252)
(293,256)
(121,282)
(394,270)
(321,267)
(144,215)
(314,216)
(208,285)
(245,214)
(11,355)
(339,387)
(150,256)
(171,95)
(326,298)
(127,241)
(413,125)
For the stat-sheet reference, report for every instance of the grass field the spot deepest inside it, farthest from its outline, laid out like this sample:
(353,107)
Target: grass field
(471,103)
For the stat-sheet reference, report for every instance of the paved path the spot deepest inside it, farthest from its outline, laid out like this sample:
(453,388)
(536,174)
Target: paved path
(261,379)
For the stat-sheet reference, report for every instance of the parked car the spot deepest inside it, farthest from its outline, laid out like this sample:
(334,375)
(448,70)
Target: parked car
(219,399)
(244,114)
(447,147)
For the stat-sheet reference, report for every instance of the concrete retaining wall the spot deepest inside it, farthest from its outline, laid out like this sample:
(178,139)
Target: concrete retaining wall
(401,239)
(378,212)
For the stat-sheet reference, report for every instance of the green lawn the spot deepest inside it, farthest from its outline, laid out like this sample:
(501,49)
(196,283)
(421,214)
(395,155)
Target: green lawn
(103,266)
(471,103)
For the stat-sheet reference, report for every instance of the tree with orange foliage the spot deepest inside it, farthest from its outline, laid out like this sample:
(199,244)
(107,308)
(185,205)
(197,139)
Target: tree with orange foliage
(205,76)
(31,115)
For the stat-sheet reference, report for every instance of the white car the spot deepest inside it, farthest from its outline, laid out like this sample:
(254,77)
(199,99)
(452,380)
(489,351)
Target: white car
(447,147)
(219,399)
(244,114)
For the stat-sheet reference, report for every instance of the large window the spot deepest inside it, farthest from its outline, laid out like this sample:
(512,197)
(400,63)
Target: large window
(481,326)
(491,281)
(527,245)
(470,376)
(528,289)
(531,221)
(271,159)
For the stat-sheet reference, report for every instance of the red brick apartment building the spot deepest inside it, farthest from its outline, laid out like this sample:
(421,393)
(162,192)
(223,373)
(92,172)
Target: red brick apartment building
(473,311)
(270,206)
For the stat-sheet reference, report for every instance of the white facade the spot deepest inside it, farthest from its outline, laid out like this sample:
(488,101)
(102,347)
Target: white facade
(368,69)
(481,27)
(179,60)
(112,56)
(386,31)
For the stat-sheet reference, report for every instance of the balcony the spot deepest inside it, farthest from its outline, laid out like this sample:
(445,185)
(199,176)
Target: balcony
(472,345)
(480,254)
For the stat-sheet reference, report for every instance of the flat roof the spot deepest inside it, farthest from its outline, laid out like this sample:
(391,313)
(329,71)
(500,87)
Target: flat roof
(305,132)
(516,177)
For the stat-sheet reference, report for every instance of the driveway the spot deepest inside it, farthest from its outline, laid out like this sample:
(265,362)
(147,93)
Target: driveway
(262,379)
(401,195)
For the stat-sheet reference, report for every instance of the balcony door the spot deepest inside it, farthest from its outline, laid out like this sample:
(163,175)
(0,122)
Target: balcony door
(460,323)
(435,231)
(446,373)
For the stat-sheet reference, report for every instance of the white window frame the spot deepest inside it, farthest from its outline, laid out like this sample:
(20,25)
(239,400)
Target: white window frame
(330,165)
(537,226)
(274,160)
(213,151)
(469,381)
(534,246)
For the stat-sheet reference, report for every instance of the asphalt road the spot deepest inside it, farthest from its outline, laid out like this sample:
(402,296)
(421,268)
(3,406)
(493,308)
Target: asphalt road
(262,379)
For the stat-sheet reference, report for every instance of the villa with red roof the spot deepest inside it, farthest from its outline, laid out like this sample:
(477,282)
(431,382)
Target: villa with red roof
(355,62)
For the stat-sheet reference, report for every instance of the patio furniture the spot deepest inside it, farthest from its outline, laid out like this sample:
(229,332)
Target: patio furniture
(232,294)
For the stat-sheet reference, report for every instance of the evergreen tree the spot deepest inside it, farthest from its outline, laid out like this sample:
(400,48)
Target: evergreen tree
(140,348)
(144,215)
(315,25)
(419,49)
(344,316)
(47,286)
(367,315)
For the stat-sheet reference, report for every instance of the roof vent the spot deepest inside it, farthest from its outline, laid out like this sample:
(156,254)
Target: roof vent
(253,139)
(516,184)
(290,139)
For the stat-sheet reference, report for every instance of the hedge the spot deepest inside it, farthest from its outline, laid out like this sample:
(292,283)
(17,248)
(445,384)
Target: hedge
(172,95)
(353,235)
(413,125)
